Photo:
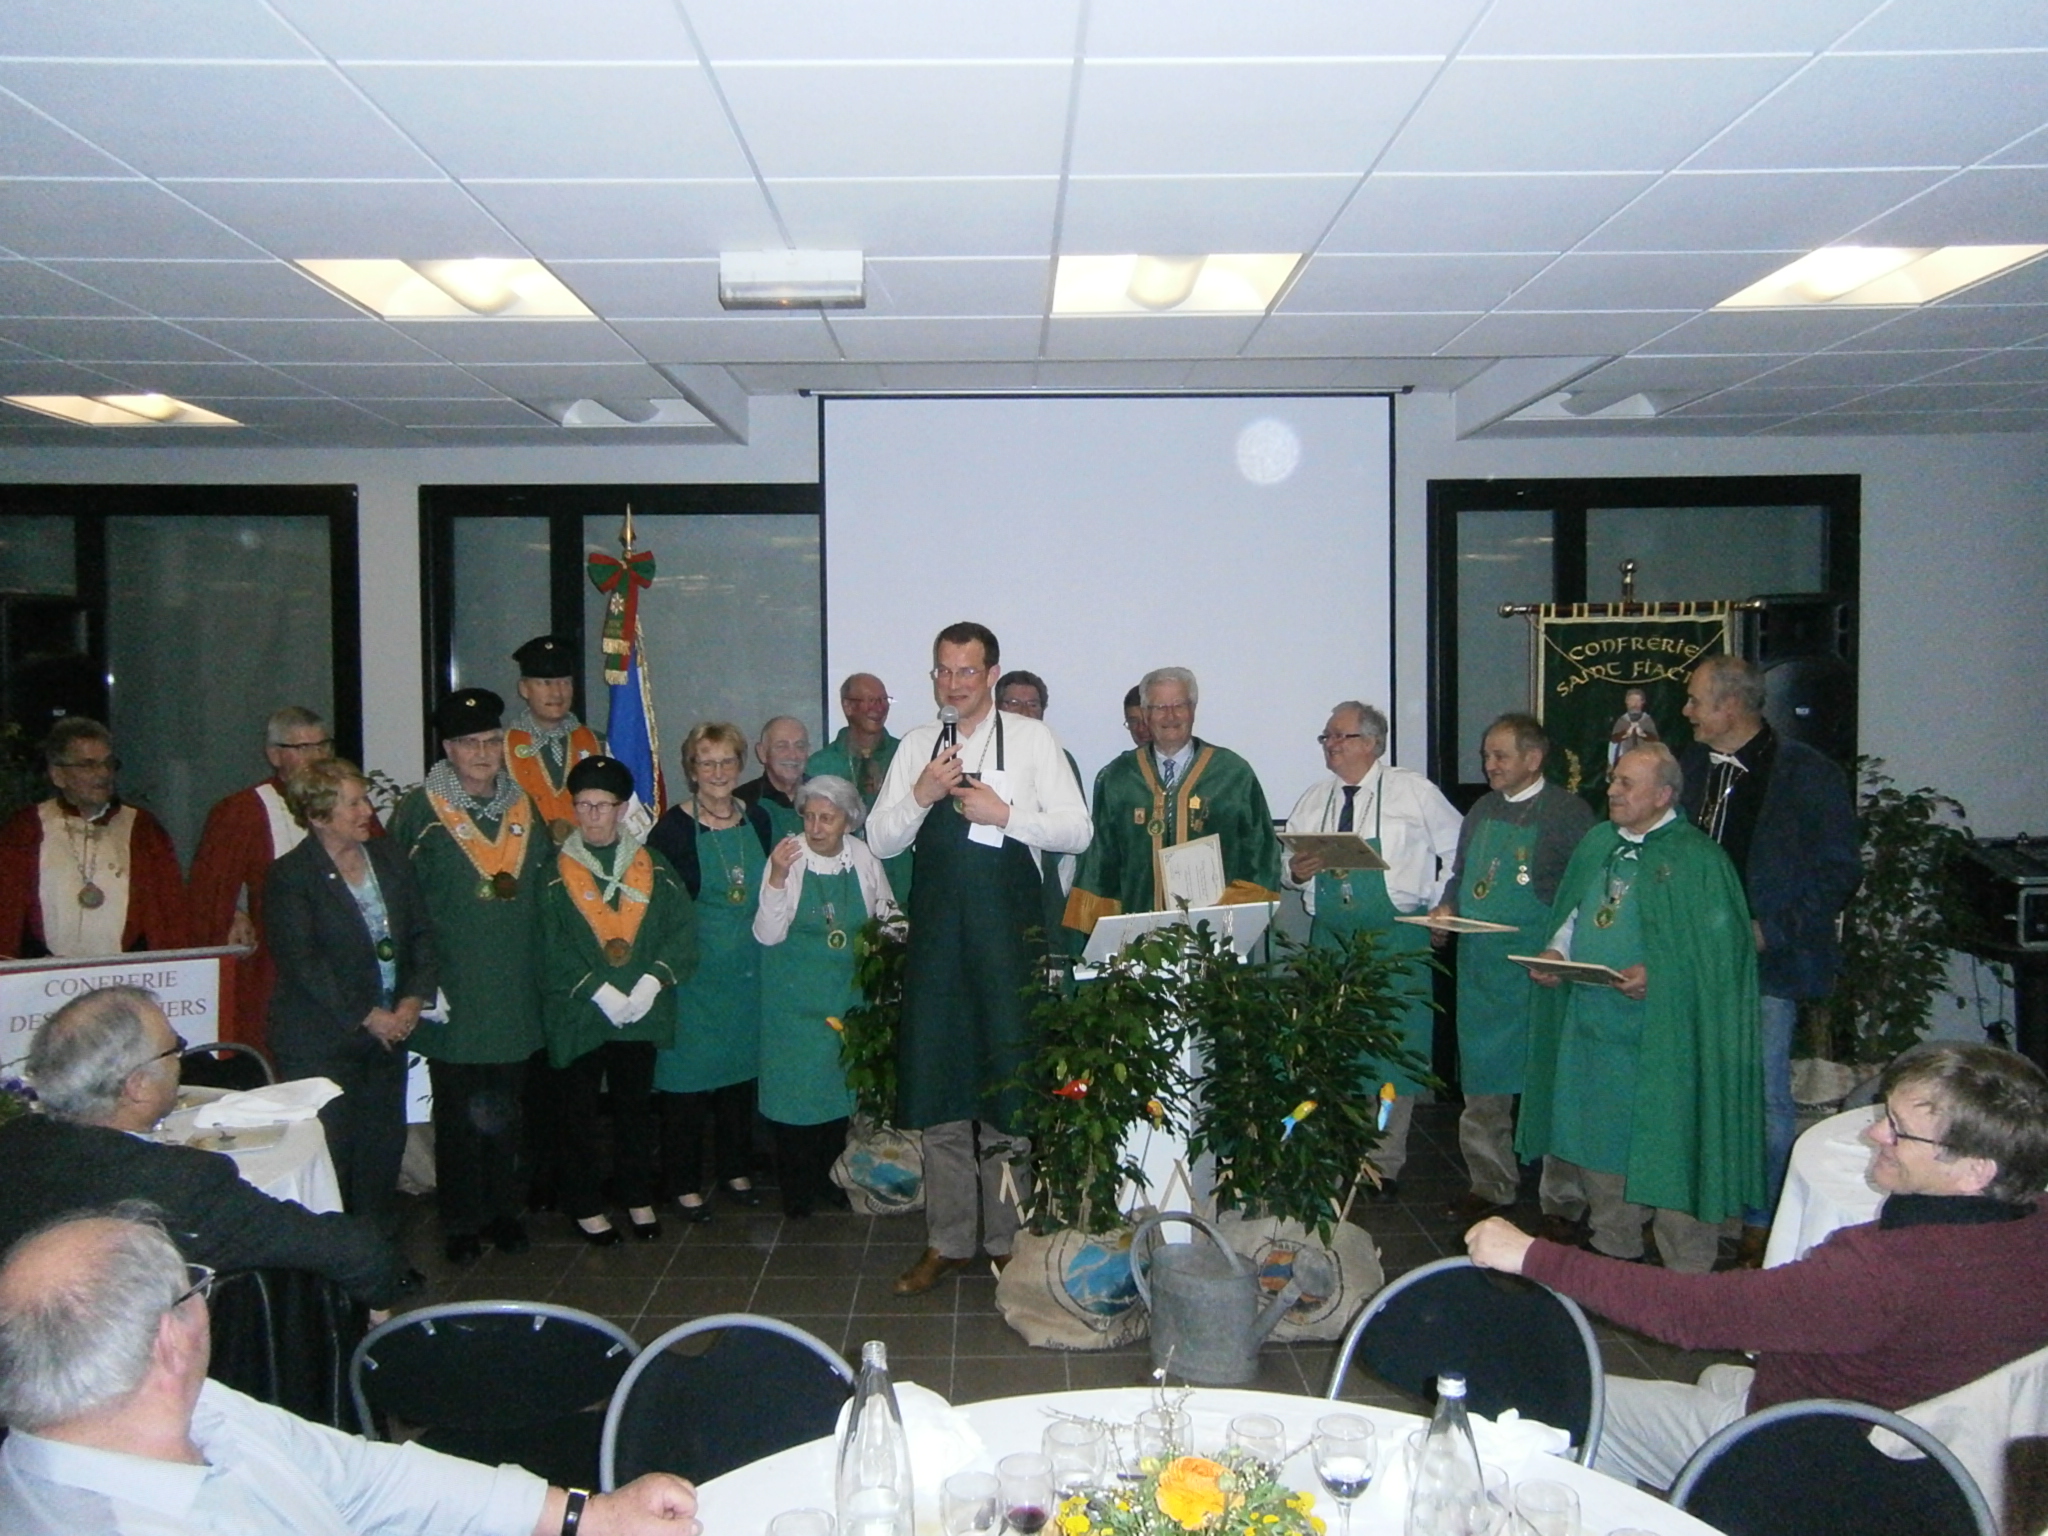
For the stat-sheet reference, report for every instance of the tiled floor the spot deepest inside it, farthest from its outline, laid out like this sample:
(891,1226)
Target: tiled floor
(831,1274)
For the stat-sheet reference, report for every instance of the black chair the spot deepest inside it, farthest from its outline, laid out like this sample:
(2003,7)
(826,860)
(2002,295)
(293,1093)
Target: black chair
(761,1386)
(225,1064)
(1518,1344)
(285,1336)
(1809,1469)
(517,1381)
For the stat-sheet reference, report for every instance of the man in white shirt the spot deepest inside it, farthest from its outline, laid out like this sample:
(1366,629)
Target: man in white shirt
(982,803)
(1415,830)
(104,1344)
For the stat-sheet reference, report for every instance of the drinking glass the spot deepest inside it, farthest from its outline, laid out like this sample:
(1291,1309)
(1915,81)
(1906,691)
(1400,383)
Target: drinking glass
(1079,1453)
(1162,1434)
(1345,1450)
(1026,1480)
(1547,1509)
(801,1522)
(970,1503)
(1259,1436)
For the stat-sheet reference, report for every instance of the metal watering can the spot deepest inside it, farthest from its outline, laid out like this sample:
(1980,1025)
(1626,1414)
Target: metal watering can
(1207,1324)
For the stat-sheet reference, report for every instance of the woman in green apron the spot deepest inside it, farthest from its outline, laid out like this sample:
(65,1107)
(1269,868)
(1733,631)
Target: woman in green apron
(706,1079)
(821,886)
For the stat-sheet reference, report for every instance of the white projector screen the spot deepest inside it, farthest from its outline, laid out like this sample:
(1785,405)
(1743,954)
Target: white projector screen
(1243,537)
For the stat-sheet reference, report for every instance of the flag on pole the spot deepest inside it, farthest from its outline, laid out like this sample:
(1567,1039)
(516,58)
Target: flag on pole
(631,734)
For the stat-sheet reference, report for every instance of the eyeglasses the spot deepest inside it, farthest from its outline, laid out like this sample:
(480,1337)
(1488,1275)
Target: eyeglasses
(1182,708)
(178,1047)
(111,764)
(1331,738)
(1898,1134)
(200,1277)
(957,674)
(322,745)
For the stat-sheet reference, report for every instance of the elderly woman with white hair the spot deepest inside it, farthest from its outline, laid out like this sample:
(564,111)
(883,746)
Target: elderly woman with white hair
(821,887)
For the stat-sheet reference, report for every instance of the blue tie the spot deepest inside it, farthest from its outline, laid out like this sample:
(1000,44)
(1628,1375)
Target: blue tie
(1166,771)
(1344,816)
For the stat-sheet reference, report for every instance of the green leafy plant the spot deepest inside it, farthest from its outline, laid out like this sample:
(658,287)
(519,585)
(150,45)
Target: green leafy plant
(867,1031)
(386,792)
(1900,925)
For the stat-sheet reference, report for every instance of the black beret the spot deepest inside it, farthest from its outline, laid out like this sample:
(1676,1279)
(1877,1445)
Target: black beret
(602,773)
(546,656)
(469,712)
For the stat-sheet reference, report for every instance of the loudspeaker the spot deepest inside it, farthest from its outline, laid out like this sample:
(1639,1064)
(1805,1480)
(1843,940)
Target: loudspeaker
(1806,645)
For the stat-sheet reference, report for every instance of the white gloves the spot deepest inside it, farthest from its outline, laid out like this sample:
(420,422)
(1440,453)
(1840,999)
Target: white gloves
(438,1014)
(624,1008)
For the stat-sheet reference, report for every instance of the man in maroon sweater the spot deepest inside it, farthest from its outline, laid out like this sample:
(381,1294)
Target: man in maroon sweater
(1943,1287)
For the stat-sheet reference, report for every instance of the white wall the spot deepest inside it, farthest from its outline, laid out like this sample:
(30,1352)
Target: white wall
(1953,604)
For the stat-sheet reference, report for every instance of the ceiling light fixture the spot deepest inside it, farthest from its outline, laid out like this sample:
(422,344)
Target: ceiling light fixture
(792,280)
(624,413)
(1879,275)
(1243,284)
(121,410)
(491,286)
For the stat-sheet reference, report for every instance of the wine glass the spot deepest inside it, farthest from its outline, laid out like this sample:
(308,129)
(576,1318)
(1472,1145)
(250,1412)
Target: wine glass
(1345,1450)
(1026,1480)
(1079,1453)
(1547,1509)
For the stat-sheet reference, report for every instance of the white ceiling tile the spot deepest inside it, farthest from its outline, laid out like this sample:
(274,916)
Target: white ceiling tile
(1755,211)
(1329,284)
(2026,285)
(1112,375)
(1767,330)
(2027,365)
(1430,373)
(623,220)
(1990,207)
(1869,369)
(211,290)
(1946,397)
(35,377)
(464,413)
(542,381)
(110,218)
(1854,421)
(1148,336)
(1478,214)
(1876,110)
(333,220)
(519,341)
(29,289)
(1665,281)
(1503,334)
(1629,375)
(643,289)
(879,120)
(491,29)
(1022,286)
(220,119)
(1163,215)
(1582,27)
(1766,400)
(312,341)
(192,381)
(1290,335)
(559,120)
(902,29)
(1006,216)
(756,338)
(1240,116)
(138,29)
(1933,25)
(878,340)
(112,341)
(1954,325)
(958,376)
(1266,373)
(1191,29)
(32,145)
(388,381)
(1564,115)
(789,378)
(2031,149)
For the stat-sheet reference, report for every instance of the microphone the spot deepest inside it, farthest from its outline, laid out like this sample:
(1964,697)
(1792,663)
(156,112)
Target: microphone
(949,727)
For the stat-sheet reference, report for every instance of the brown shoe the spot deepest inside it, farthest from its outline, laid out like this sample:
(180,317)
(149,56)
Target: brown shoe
(927,1272)
(1474,1208)
(1749,1249)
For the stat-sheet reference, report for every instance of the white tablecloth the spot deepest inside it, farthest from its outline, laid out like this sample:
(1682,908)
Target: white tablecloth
(743,1502)
(1825,1187)
(295,1168)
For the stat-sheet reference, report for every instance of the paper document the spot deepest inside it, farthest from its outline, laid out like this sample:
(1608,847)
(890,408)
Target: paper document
(1192,872)
(1338,850)
(1450,924)
(1582,971)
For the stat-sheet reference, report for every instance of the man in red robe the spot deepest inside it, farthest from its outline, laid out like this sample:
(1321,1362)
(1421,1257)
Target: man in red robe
(245,834)
(81,873)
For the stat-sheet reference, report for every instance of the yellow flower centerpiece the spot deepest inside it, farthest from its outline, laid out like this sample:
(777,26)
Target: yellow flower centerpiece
(1231,1495)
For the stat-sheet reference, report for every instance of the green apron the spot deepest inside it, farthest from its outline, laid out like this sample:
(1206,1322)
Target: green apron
(966,1028)
(1354,901)
(1596,1054)
(804,981)
(718,1010)
(1493,994)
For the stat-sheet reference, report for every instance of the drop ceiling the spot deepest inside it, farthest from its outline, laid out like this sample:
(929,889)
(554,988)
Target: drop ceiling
(1507,200)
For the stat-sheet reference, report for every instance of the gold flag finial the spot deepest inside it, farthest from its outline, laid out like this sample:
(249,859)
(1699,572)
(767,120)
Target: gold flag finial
(626,531)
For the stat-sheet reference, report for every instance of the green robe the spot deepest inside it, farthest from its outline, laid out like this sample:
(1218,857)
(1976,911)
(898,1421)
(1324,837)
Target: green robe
(1221,795)
(718,1009)
(1668,1091)
(804,982)
(573,963)
(836,756)
(488,949)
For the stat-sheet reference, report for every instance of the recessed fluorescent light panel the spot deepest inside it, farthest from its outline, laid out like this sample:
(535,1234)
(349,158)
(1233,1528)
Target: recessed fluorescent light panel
(121,410)
(443,290)
(792,280)
(1171,285)
(1890,276)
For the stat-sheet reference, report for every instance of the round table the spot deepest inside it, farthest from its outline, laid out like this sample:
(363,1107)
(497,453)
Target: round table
(742,1502)
(297,1167)
(1825,1186)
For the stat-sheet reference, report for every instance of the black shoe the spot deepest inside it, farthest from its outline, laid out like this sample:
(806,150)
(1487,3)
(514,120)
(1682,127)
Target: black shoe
(833,1198)
(508,1235)
(464,1248)
(695,1214)
(1386,1192)
(644,1231)
(749,1196)
(796,1210)
(608,1237)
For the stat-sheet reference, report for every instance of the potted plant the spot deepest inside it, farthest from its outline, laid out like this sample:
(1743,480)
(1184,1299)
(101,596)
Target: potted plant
(882,1168)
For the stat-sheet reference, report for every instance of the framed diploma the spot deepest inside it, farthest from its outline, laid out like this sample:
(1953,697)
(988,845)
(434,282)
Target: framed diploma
(1450,924)
(1337,850)
(1583,972)
(1191,873)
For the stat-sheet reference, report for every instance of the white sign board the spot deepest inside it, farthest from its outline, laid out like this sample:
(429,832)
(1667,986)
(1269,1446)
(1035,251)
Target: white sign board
(30,991)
